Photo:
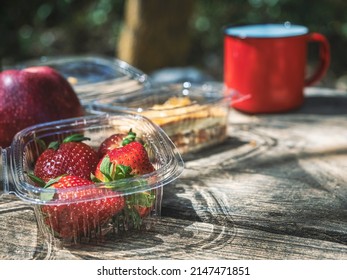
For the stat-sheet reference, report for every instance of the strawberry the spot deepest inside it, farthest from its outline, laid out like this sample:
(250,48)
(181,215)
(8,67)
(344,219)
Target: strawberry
(71,218)
(124,162)
(115,141)
(71,157)
(132,155)
(142,210)
(137,207)
(143,203)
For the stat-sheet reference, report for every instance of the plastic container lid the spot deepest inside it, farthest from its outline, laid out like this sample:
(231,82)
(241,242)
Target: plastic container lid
(19,159)
(91,76)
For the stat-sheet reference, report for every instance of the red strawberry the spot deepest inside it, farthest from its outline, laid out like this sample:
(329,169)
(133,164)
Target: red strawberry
(110,143)
(143,211)
(71,157)
(133,155)
(128,161)
(72,218)
(144,203)
(116,141)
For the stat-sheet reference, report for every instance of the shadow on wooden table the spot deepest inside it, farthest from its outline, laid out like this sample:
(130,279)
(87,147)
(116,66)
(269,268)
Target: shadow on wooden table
(324,105)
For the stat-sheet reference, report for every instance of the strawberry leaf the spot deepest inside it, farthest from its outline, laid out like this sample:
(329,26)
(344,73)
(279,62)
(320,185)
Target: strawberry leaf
(75,138)
(129,138)
(94,179)
(130,213)
(54,145)
(106,168)
(122,172)
(53,181)
(40,143)
(144,199)
(114,172)
(49,195)
(38,181)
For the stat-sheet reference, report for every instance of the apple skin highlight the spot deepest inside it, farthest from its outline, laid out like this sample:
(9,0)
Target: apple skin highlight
(31,96)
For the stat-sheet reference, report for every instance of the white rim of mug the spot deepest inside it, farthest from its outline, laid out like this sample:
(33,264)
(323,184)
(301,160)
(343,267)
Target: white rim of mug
(242,30)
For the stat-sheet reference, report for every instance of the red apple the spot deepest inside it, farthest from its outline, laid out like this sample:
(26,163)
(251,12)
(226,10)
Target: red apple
(31,96)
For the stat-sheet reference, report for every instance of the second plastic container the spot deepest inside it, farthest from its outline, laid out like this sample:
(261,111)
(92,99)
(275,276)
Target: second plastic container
(194,116)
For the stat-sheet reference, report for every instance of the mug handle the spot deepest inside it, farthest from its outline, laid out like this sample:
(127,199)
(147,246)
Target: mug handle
(324,57)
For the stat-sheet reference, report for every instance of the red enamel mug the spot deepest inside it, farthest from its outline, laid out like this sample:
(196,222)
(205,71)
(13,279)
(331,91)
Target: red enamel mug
(267,63)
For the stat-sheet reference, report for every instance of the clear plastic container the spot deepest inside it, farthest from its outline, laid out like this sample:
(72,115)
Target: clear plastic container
(91,76)
(193,115)
(18,160)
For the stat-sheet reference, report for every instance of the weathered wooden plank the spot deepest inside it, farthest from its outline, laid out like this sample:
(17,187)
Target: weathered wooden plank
(19,236)
(205,233)
(182,239)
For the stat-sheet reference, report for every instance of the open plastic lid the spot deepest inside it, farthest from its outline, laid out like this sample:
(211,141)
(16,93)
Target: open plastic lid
(91,76)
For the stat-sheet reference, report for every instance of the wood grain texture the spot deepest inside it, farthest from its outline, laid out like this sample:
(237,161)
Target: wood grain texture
(276,189)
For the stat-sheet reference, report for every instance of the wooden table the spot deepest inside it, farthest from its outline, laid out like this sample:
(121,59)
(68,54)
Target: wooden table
(276,189)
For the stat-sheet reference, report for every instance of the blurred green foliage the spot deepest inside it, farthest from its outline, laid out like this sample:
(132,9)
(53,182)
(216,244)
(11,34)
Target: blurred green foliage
(37,28)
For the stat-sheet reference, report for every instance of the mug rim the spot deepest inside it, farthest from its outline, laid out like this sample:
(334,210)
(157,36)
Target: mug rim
(243,30)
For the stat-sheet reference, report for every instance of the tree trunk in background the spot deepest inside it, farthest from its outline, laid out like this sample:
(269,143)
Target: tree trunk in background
(156,33)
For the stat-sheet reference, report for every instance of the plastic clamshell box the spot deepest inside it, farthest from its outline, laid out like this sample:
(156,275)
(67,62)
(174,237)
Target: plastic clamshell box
(19,159)
(194,116)
(91,76)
